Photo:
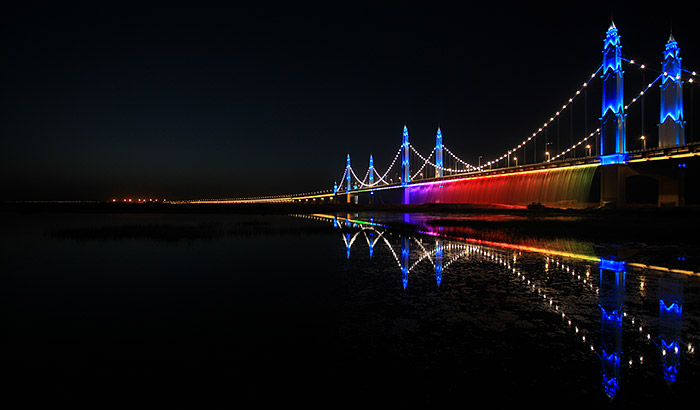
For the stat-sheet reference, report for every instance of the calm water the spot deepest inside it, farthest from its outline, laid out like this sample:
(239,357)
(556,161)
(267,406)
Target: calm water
(337,310)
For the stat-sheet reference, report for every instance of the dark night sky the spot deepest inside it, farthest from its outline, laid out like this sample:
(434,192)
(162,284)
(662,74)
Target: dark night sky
(205,101)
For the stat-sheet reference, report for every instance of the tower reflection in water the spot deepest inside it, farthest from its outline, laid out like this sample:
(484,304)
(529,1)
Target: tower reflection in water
(428,247)
(612,298)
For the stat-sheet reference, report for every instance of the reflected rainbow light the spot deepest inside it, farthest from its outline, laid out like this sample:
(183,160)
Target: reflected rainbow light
(525,248)
(513,246)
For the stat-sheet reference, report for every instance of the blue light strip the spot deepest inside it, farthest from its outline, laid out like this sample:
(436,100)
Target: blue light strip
(609,264)
(613,159)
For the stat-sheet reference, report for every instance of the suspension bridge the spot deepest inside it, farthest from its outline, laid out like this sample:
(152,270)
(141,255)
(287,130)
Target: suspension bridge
(610,159)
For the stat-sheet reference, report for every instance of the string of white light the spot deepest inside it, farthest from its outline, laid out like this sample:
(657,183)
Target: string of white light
(597,131)
(556,115)
(468,165)
(425,160)
(431,164)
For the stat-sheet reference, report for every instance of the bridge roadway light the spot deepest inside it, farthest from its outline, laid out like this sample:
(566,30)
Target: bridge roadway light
(547,154)
(644,142)
(588,147)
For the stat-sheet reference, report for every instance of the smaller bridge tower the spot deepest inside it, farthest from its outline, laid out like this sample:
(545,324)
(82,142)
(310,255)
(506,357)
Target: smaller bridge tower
(438,154)
(405,162)
(371,170)
(348,177)
(671,129)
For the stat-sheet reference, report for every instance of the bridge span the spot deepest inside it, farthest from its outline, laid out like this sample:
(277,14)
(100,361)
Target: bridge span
(618,164)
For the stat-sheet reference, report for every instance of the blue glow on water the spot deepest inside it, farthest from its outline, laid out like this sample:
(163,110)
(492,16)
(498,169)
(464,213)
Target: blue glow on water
(612,316)
(673,346)
(610,385)
(438,263)
(674,307)
(405,250)
(609,264)
(612,358)
(670,373)
(613,159)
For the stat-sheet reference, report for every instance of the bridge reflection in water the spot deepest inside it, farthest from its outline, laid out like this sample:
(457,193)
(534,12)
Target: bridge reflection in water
(621,337)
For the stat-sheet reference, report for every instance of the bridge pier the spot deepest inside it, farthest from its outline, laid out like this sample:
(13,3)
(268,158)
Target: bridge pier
(613,187)
(658,183)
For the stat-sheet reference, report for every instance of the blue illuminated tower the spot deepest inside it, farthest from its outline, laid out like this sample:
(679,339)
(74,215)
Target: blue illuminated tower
(612,296)
(438,154)
(405,165)
(371,170)
(612,127)
(348,178)
(671,129)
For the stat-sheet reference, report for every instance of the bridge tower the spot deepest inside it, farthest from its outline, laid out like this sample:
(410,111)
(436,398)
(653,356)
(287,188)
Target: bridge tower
(371,170)
(405,163)
(612,296)
(612,127)
(348,178)
(438,154)
(671,129)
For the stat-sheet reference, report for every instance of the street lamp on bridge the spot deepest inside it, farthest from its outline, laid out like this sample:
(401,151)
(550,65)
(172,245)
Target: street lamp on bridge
(547,154)
(588,148)
(644,142)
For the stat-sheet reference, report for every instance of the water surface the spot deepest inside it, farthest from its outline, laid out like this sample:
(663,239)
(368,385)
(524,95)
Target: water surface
(328,310)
